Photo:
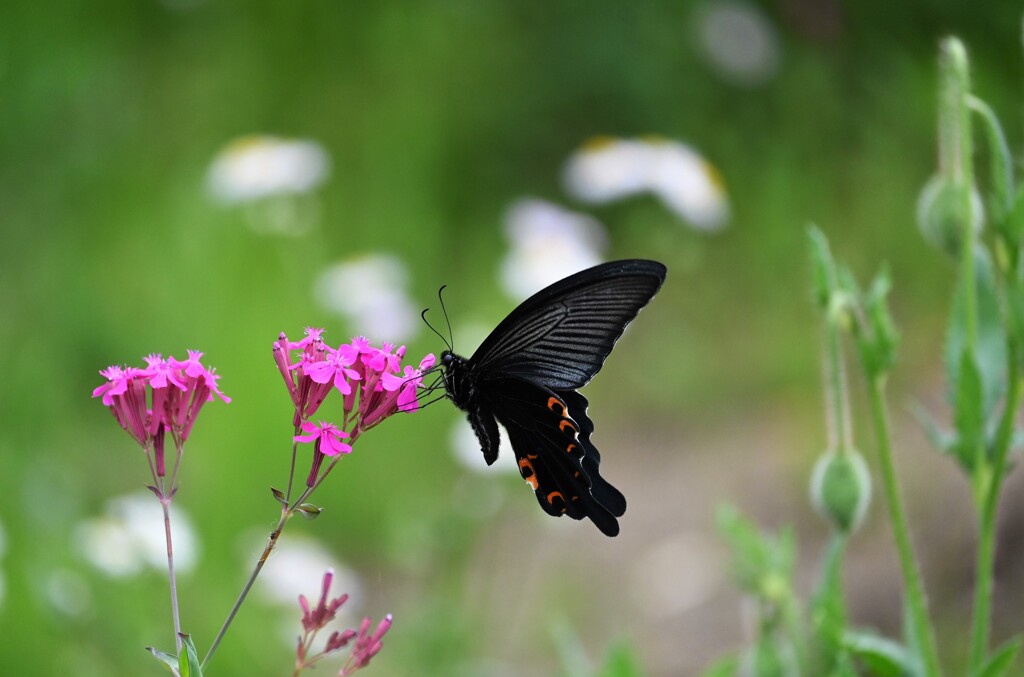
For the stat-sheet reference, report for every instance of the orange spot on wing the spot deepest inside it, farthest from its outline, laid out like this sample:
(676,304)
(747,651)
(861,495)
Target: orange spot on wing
(555,495)
(571,448)
(556,405)
(567,426)
(526,470)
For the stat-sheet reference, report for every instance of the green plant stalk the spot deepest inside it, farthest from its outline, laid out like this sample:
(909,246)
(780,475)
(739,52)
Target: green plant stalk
(286,514)
(917,603)
(829,612)
(840,435)
(985,567)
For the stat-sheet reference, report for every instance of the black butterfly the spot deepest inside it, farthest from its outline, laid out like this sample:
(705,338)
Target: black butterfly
(525,375)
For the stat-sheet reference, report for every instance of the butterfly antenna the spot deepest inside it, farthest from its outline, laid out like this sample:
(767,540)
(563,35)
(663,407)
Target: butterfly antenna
(423,316)
(451,344)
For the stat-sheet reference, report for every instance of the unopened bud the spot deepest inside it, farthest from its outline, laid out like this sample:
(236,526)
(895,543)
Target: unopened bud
(940,210)
(841,489)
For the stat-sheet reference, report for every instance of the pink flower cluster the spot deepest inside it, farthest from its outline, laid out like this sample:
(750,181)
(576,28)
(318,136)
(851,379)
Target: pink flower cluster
(165,395)
(371,381)
(366,646)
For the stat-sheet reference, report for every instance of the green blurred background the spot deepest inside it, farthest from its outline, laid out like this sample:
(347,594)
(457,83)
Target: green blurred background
(436,117)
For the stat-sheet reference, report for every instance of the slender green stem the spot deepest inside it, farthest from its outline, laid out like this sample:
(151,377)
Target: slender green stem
(917,603)
(984,570)
(165,503)
(286,514)
(840,434)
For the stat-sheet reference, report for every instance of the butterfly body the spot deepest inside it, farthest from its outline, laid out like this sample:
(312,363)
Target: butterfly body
(525,376)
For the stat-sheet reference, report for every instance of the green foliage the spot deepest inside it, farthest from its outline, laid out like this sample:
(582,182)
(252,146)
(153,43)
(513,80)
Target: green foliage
(982,355)
(621,661)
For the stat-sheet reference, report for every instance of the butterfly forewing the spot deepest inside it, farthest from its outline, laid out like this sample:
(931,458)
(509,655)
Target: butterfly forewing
(561,336)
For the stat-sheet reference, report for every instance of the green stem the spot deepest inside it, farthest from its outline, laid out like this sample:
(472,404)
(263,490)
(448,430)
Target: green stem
(286,514)
(165,504)
(917,603)
(984,570)
(840,435)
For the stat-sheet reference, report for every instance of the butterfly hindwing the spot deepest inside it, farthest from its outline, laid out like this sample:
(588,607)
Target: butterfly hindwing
(550,451)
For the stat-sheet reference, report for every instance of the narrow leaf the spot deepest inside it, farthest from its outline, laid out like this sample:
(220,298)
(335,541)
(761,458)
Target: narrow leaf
(167,659)
(968,417)
(882,656)
(188,660)
(279,495)
(999,663)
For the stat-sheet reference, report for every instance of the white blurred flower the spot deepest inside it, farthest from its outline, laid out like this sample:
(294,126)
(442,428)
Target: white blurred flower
(370,292)
(687,184)
(466,449)
(607,169)
(738,41)
(261,166)
(296,567)
(548,243)
(130,536)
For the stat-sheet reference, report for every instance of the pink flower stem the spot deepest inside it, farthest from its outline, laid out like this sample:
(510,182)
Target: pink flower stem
(286,514)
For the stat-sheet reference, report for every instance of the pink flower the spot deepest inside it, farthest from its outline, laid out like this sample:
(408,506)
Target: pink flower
(175,390)
(318,618)
(336,368)
(367,646)
(327,435)
(407,385)
(124,394)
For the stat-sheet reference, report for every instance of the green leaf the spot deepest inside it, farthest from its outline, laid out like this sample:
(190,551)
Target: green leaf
(170,660)
(968,417)
(279,495)
(883,657)
(999,662)
(309,511)
(940,439)
(882,337)
(188,660)
(822,267)
(990,349)
(621,661)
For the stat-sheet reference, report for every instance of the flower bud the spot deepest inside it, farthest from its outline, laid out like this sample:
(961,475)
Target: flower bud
(939,211)
(841,489)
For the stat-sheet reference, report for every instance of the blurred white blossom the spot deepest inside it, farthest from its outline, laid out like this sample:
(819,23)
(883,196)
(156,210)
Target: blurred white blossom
(259,166)
(608,169)
(370,292)
(129,536)
(548,242)
(738,41)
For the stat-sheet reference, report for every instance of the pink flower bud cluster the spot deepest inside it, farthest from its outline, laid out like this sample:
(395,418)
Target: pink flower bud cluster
(367,644)
(166,395)
(371,381)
